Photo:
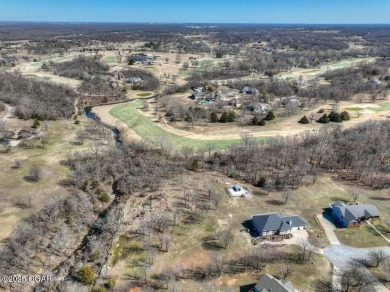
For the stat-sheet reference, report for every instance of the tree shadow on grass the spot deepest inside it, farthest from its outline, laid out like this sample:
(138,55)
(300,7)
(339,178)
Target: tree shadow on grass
(380,198)
(211,243)
(274,202)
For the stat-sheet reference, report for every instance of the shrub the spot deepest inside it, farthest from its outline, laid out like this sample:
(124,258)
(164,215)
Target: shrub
(214,117)
(324,119)
(111,283)
(345,116)
(223,118)
(86,275)
(104,197)
(195,165)
(255,121)
(261,182)
(270,116)
(321,111)
(335,117)
(231,117)
(35,173)
(262,122)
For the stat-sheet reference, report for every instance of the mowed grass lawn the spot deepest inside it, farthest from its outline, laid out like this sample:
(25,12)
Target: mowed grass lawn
(147,129)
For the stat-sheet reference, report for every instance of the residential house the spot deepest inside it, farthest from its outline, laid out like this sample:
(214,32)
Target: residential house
(27,132)
(276,224)
(249,90)
(197,93)
(268,283)
(134,80)
(352,215)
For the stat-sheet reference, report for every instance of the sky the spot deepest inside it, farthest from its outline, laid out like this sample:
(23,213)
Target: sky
(199,11)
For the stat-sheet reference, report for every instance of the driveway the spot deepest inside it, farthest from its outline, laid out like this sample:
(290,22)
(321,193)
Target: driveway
(329,227)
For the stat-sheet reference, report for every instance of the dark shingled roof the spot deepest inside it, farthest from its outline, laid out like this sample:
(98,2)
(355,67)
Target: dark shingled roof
(276,221)
(268,283)
(353,212)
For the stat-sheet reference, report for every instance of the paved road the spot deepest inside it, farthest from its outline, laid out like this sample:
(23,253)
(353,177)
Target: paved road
(341,255)
(329,229)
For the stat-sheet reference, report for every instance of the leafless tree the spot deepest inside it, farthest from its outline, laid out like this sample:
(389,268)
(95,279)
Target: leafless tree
(285,270)
(35,173)
(165,240)
(286,195)
(226,237)
(219,261)
(377,257)
(145,105)
(355,193)
(216,199)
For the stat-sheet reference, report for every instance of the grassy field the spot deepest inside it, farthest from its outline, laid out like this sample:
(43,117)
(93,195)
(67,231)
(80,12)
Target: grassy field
(144,127)
(354,109)
(144,94)
(364,236)
(15,189)
(110,59)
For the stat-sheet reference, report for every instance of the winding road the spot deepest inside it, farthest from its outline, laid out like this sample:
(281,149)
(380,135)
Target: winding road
(342,255)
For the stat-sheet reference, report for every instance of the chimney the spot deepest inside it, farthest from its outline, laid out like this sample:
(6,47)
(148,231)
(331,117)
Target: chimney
(289,222)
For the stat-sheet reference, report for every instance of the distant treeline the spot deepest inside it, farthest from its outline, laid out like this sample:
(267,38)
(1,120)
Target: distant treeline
(81,67)
(37,99)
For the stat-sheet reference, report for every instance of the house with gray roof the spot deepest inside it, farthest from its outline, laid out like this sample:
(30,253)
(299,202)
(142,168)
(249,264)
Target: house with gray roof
(353,215)
(276,223)
(268,283)
(249,90)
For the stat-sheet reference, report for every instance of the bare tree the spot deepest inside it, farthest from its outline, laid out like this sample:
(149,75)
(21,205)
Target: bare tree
(285,270)
(376,257)
(35,173)
(165,240)
(216,199)
(219,261)
(226,237)
(286,195)
(355,193)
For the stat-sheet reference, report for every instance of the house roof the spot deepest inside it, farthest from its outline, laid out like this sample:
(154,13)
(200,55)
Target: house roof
(268,283)
(276,221)
(353,212)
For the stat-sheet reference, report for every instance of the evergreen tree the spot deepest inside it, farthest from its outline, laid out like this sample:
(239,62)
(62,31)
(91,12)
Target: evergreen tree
(262,182)
(255,121)
(231,117)
(304,120)
(223,118)
(270,116)
(36,123)
(262,122)
(336,118)
(345,116)
(324,119)
(214,117)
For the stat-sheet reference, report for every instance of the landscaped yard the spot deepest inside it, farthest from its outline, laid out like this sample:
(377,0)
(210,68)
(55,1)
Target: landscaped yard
(364,236)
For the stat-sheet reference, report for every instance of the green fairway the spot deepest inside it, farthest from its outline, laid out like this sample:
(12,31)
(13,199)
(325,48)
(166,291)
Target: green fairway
(147,129)
(110,59)
(144,94)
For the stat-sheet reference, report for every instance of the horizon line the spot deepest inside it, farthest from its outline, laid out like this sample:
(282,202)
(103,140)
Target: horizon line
(188,23)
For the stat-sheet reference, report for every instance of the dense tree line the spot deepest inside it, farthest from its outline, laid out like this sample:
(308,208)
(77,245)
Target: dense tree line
(37,99)
(82,67)
(149,81)
(99,91)
(359,153)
